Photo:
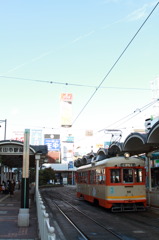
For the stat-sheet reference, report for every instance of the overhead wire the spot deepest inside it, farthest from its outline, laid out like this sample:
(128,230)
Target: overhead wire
(72,84)
(134,114)
(132,39)
(125,119)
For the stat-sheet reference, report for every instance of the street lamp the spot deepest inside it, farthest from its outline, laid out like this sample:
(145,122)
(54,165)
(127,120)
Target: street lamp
(5,121)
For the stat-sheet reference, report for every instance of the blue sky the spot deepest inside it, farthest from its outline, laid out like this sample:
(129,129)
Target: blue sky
(76,42)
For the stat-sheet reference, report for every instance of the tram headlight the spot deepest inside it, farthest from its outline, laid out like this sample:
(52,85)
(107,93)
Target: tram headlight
(126,155)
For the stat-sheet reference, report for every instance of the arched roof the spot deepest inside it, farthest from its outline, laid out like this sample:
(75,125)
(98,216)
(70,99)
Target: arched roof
(11,153)
(115,148)
(153,135)
(136,143)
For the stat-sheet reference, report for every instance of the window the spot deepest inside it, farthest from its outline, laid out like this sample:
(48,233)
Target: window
(115,175)
(100,176)
(82,177)
(92,177)
(138,175)
(128,175)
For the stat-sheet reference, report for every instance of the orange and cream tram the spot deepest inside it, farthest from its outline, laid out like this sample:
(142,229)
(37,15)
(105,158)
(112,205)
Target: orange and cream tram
(116,183)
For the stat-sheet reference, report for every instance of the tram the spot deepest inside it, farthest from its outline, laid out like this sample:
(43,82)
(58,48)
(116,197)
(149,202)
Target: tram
(116,183)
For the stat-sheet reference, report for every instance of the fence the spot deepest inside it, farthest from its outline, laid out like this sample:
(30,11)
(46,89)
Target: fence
(46,232)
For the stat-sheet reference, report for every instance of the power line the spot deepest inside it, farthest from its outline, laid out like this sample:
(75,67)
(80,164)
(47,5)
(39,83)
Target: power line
(136,112)
(115,63)
(126,118)
(73,84)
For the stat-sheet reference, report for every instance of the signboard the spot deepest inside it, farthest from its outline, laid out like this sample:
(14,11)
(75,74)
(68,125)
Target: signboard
(66,109)
(89,133)
(18,136)
(68,139)
(36,137)
(99,145)
(52,144)
(52,136)
(67,97)
(11,149)
(70,164)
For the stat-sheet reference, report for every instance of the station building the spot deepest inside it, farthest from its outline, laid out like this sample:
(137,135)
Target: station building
(11,158)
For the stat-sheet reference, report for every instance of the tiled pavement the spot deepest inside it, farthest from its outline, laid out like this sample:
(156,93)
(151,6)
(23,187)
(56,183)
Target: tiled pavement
(9,210)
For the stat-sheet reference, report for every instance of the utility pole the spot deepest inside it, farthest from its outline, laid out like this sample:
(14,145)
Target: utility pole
(5,128)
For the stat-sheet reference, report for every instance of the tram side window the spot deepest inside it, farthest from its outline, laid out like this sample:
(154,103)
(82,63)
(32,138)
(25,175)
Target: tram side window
(138,175)
(79,177)
(100,176)
(92,177)
(115,175)
(83,177)
(128,175)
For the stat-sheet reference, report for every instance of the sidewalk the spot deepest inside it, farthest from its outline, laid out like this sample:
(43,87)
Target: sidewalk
(9,210)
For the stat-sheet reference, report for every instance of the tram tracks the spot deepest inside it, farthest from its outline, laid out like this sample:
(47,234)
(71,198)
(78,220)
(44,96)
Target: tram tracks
(86,227)
(128,226)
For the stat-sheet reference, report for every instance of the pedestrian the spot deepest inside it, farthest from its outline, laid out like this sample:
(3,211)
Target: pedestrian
(18,184)
(11,188)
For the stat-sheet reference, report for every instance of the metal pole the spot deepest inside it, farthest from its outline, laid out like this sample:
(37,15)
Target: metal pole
(5,129)
(37,175)
(150,182)
(25,175)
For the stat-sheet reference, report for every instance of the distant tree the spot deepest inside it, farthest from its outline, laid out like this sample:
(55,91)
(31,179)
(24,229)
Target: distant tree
(45,175)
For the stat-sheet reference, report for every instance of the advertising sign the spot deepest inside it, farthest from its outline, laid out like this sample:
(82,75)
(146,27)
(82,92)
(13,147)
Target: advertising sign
(36,137)
(70,164)
(52,144)
(66,109)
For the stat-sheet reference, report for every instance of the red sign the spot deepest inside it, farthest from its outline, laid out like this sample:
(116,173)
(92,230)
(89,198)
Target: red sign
(67,97)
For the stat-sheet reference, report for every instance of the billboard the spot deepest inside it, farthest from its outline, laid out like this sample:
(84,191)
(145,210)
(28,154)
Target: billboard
(36,137)
(54,147)
(52,144)
(66,109)
(52,141)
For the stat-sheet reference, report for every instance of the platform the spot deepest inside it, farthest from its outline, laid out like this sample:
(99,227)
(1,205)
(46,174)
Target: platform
(9,210)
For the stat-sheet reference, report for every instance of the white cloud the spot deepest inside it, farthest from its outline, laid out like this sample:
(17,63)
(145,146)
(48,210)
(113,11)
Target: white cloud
(142,12)
(83,36)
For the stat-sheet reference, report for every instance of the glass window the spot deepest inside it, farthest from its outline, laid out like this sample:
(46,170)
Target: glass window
(115,175)
(128,175)
(82,177)
(92,176)
(100,176)
(138,175)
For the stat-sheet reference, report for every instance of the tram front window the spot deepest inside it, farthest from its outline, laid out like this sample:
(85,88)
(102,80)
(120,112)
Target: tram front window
(128,175)
(138,175)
